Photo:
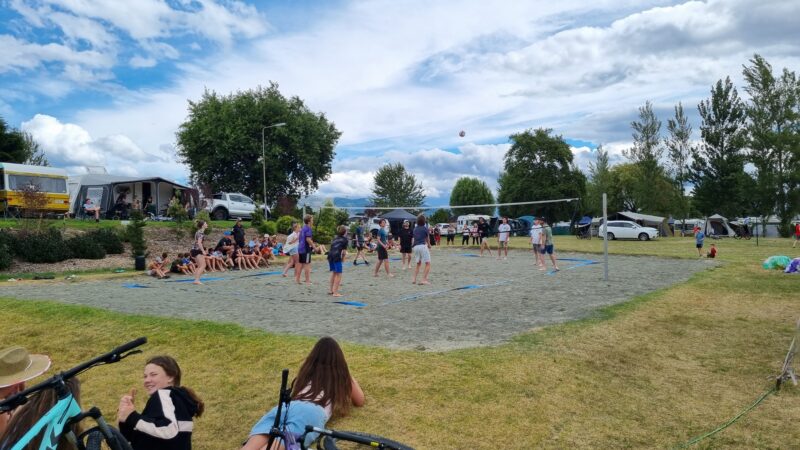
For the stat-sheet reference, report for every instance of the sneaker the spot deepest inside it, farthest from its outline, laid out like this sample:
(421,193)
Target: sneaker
(366,262)
(355,263)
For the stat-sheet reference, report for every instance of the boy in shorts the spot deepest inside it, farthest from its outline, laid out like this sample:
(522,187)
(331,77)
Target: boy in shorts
(336,257)
(699,237)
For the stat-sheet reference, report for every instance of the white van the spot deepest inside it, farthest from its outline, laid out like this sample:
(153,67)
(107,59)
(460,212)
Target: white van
(468,219)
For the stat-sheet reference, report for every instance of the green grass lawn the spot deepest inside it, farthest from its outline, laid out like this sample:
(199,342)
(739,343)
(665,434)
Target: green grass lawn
(652,372)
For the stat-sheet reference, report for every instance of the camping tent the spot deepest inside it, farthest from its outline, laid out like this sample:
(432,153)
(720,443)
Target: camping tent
(396,218)
(104,190)
(717,225)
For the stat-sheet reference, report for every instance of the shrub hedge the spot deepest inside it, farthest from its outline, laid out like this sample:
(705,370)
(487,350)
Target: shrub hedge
(84,246)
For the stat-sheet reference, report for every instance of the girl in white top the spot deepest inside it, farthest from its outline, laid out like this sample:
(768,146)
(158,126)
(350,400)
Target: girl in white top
(503,233)
(290,248)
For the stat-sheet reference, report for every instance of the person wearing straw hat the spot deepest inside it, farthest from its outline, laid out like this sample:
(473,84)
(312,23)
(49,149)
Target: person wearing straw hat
(16,367)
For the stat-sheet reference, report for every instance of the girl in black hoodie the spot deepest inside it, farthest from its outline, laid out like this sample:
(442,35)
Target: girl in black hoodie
(165,423)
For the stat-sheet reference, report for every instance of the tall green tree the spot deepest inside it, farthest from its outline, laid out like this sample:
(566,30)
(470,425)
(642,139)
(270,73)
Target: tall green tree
(472,191)
(624,185)
(653,192)
(35,154)
(718,165)
(221,142)
(773,138)
(679,149)
(394,186)
(600,181)
(19,147)
(539,166)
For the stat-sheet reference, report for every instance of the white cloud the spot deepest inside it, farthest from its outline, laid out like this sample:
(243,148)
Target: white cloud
(69,145)
(436,169)
(142,62)
(415,73)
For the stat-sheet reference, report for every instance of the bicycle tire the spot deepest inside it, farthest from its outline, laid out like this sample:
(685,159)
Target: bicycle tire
(95,438)
(330,443)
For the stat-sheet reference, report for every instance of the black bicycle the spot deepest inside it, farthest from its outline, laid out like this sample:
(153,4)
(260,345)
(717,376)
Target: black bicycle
(743,233)
(328,439)
(61,418)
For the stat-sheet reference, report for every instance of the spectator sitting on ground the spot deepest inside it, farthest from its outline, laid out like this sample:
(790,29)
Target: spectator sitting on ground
(157,267)
(90,208)
(712,253)
(16,367)
(187,261)
(225,244)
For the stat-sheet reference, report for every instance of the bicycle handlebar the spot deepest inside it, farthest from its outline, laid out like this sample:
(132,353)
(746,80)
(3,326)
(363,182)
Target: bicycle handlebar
(111,357)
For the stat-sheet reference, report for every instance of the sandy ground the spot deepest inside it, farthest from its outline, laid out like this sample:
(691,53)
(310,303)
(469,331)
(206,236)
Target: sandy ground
(472,301)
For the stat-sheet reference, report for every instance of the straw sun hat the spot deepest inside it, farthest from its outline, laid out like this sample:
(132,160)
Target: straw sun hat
(17,365)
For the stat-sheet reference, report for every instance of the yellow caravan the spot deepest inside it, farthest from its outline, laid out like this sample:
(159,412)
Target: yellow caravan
(14,178)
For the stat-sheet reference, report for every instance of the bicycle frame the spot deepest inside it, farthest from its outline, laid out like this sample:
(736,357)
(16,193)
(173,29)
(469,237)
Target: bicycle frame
(66,411)
(53,422)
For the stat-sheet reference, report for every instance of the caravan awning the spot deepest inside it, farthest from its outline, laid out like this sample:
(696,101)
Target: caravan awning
(642,217)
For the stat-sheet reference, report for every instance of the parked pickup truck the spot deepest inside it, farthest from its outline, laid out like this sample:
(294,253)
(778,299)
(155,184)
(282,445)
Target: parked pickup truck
(225,205)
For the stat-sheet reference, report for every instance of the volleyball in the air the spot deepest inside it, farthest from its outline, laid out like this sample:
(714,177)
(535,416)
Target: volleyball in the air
(462,133)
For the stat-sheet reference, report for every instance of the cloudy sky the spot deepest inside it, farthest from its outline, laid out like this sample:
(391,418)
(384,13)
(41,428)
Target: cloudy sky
(106,82)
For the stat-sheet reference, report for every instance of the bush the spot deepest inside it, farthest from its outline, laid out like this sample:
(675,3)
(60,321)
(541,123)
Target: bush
(41,247)
(5,256)
(202,215)
(322,236)
(85,247)
(268,227)
(257,218)
(136,234)
(108,239)
(284,223)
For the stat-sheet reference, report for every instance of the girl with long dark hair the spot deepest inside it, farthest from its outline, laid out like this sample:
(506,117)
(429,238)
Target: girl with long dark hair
(323,389)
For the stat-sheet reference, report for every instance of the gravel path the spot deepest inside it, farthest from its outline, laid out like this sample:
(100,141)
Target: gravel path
(471,302)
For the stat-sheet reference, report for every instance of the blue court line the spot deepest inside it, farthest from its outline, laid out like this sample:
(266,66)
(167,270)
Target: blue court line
(471,255)
(134,286)
(189,280)
(582,263)
(444,291)
(261,274)
(350,303)
(395,259)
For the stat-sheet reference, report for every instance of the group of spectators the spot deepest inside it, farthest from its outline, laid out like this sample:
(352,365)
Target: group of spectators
(323,389)
(232,252)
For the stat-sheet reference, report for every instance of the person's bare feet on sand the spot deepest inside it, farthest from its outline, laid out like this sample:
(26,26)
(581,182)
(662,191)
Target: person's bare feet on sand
(337,295)
(196,282)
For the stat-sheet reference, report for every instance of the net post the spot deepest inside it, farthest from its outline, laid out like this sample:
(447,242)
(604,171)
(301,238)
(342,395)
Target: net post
(605,238)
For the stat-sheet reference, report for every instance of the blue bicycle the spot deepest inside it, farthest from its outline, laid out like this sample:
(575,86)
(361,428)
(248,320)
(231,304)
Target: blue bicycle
(61,419)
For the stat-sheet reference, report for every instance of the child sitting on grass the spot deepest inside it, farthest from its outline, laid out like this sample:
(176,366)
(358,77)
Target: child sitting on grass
(712,253)
(157,267)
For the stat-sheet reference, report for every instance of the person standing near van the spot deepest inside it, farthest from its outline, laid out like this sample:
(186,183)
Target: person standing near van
(503,234)
(549,248)
(483,231)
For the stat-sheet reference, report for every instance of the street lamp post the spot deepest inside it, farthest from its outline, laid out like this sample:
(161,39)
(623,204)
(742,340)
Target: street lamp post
(264,161)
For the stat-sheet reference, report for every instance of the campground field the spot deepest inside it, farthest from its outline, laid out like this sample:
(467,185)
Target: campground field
(654,369)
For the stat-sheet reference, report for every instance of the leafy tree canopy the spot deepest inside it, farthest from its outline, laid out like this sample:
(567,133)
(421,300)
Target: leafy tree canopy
(394,186)
(221,141)
(19,147)
(538,166)
(472,191)
(718,165)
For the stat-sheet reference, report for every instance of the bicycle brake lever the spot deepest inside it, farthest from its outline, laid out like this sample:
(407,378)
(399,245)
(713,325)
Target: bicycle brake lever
(132,352)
